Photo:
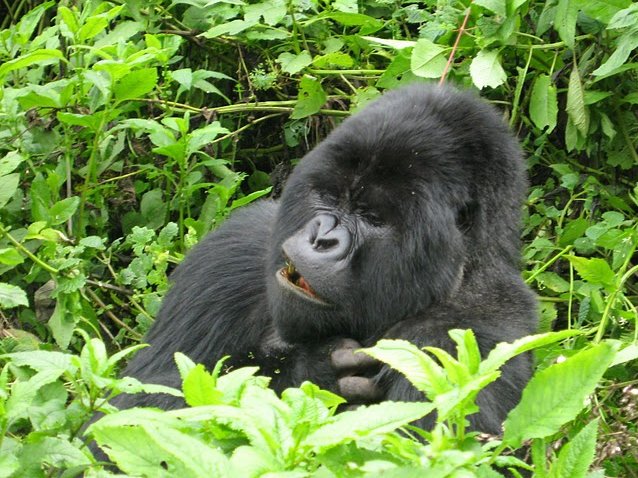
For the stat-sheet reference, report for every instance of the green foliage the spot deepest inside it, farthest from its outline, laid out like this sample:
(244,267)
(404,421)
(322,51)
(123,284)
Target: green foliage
(237,426)
(128,130)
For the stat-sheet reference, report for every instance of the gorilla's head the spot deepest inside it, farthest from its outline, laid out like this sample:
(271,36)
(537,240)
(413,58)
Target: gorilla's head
(392,212)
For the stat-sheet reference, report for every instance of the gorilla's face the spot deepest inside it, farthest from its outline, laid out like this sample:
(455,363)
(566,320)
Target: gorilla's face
(380,220)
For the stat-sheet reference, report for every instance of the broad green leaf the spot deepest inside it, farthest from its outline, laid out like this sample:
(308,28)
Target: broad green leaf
(199,388)
(272,11)
(8,186)
(613,12)
(626,44)
(54,451)
(505,351)
(572,231)
(497,6)
(594,270)
(576,109)
(62,324)
(10,256)
(368,24)
(311,98)
(91,121)
(10,162)
(467,348)
(62,210)
(12,296)
(543,104)
(153,208)
(203,136)
(44,360)
(486,70)
(366,421)
(576,457)
(156,450)
(39,57)
(555,396)
(293,63)
(135,84)
(229,28)
(428,59)
(396,44)
(92,27)
(418,367)
(565,20)
(69,19)
(30,20)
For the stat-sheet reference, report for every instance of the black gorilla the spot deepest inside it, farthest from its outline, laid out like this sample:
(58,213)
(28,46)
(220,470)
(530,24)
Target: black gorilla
(403,223)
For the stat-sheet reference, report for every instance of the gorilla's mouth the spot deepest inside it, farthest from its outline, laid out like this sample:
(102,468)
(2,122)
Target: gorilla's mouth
(290,278)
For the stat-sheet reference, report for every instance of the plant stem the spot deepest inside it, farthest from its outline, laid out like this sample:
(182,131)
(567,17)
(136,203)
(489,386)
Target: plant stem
(28,253)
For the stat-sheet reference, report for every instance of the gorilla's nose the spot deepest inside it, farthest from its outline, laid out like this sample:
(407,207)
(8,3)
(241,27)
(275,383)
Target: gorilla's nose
(326,235)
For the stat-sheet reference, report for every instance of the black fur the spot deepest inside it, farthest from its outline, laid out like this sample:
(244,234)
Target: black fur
(405,223)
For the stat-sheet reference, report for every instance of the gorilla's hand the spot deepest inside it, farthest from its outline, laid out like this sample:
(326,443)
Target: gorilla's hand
(353,372)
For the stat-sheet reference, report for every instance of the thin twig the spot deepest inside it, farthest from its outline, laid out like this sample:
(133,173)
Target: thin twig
(456,44)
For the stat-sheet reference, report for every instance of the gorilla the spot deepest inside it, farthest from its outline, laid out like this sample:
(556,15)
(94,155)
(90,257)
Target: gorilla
(403,223)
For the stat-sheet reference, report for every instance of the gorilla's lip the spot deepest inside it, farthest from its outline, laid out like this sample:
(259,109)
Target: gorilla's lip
(291,279)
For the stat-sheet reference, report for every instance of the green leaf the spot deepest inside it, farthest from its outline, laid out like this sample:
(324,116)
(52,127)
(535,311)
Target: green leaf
(595,271)
(565,20)
(153,208)
(543,105)
(311,98)
(135,84)
(199,388)
(572,231)
(12,296)
(576,109)
(291,63)
(576,457)
(486,70)
(92,27)
(40,57)
(555,396)
(8,186)
(156,450)
(626,44)
(10,256)
(467,349)
(428,59)
(505,351)
(62,323)
(203,136)
(10,162)
(497,6)
(366,421)
(418,367)
(613,12)
(62,210)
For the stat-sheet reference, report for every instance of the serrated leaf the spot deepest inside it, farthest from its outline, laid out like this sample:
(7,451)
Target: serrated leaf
(62,210)
(576,456)
(366,421)
(199,388)
(555,396)
(486,70)
(10,256)
(505,351)
(497,6)
(291,63)
(626,44)
(151,450)
(12,296)
(8,186)
(595,270)
(576,109)
(311,98)
(40,57)
(135,84)
(10,162)
(543,105)
(428,59)
(419,368)
(565,18)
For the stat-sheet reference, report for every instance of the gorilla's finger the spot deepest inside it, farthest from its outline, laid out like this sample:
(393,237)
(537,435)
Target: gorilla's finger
(349,361)
(345,343)
(359,390)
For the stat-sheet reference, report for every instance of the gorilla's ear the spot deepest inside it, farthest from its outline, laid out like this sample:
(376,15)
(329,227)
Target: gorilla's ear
(466,216)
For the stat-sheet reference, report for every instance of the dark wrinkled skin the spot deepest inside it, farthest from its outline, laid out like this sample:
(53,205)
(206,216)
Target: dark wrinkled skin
(405,223)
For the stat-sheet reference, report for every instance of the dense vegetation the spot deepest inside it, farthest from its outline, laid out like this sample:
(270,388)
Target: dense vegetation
(128,130)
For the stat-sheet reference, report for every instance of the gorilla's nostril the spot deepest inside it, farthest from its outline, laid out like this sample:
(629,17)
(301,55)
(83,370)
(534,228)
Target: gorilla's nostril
(325,244)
